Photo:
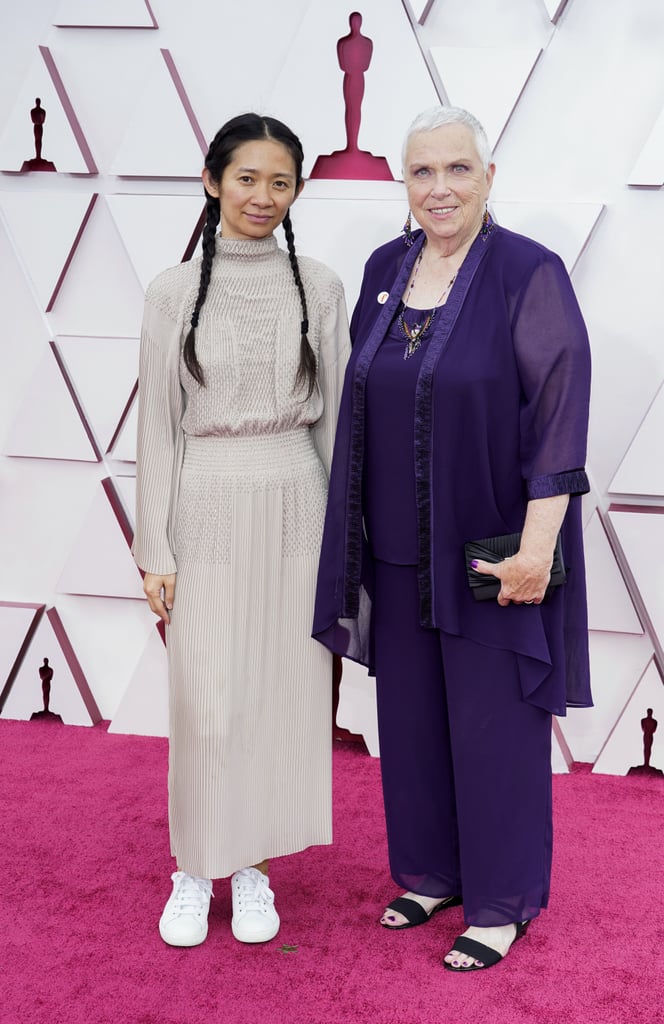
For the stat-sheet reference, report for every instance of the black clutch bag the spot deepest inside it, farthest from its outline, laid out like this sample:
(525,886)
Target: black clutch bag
(495,549)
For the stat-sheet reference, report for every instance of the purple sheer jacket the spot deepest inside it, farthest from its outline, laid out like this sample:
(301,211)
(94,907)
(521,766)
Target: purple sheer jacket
(501,417)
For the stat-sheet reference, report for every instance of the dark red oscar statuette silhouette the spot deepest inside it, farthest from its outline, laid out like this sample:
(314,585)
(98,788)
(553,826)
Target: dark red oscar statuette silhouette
(46,677)
(648,728)
(37,163)
(354,54)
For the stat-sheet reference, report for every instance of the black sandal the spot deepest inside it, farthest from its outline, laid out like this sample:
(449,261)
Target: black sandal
(488,956)
(415,913)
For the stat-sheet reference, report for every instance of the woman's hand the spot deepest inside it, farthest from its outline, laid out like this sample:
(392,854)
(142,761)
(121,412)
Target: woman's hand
(160,591)
(523,578)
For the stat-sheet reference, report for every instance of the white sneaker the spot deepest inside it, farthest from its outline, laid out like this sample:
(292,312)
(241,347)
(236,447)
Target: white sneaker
(184,920)
(254,916)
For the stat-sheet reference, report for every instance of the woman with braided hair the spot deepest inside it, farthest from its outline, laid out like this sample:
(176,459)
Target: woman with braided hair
(242,359)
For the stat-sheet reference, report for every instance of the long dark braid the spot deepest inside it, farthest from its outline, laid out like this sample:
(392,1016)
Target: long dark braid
(306,371)
(249,128)
(209,232)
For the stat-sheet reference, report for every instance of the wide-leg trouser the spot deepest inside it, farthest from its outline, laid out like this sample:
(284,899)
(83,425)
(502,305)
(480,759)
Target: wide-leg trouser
(466,764)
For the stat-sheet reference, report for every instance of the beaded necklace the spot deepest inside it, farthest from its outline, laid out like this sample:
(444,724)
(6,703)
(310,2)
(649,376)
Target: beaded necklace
(413,333)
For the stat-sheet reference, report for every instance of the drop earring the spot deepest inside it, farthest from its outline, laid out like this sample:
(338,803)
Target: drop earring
(487,225)
(407,230)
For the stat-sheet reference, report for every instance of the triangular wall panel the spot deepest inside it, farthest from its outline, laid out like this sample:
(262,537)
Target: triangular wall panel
(103,371)
(63,142)
(641,535)
(70,694)
(160,141)
(610,606)
(108,635)
(499,75)
(46,255)
(617,662)
(100,293)
(624,748)
(100,562)
(144,708)
(157,231)
(639,473)
(17,625)
(22,317)
(48,425)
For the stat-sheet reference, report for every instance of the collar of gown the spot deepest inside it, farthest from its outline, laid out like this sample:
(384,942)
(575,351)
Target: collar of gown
(242,249)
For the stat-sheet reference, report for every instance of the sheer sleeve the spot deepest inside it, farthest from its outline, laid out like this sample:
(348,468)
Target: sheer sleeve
(553,358)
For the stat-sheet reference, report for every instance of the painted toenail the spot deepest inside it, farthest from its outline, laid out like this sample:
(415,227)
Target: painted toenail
(479,963)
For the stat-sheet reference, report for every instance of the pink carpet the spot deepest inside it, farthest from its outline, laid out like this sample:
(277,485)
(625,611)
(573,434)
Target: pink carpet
(86,872)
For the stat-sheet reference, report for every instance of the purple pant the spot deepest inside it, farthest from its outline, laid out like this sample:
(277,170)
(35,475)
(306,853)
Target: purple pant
(466,764)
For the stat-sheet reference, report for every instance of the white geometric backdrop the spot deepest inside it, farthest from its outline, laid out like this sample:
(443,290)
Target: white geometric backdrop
(572,96)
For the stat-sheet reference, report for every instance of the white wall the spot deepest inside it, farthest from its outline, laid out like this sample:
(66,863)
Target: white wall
(573,105)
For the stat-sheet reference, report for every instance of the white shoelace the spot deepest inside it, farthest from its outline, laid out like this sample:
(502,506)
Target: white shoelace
(192,895)
(253,891)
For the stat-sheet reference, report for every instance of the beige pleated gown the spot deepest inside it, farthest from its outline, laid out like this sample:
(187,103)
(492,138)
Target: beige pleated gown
(231,492)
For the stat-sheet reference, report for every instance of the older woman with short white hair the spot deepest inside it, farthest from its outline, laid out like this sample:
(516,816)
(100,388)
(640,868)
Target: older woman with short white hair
(464,418)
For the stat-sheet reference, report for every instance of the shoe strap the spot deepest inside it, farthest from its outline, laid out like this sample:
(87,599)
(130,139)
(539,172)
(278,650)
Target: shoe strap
(485,954)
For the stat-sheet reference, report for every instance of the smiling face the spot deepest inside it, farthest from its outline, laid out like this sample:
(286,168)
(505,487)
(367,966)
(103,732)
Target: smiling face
(257,187)
(447,185)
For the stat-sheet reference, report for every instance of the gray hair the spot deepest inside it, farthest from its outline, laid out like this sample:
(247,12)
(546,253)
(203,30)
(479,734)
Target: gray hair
(436,117)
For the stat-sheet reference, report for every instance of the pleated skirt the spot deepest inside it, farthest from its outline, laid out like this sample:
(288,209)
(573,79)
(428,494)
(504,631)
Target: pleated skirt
(249,690)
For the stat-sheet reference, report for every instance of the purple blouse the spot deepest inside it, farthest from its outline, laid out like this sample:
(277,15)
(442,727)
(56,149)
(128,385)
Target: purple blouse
(389,470)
